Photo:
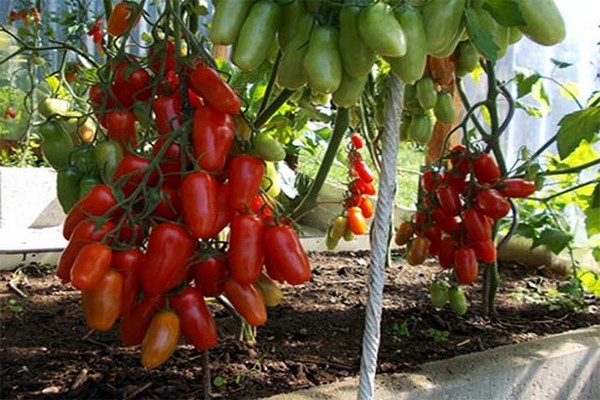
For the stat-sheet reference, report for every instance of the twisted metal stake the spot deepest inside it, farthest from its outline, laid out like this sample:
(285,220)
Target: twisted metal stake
(380,239)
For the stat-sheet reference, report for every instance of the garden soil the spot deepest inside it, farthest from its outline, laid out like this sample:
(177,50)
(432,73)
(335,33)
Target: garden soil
(312,338)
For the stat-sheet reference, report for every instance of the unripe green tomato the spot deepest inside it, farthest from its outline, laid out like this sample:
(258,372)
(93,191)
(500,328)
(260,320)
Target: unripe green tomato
(270,181)
(443,21)
(291,17)
(426,93)
(322,61)
(411,102)
(330,242)
(467,58)
(268,148)
(381,31)
(514,35)
(405,127)
(228,19)
(357,57)
(458,301)
(543,22)
(290,73)
(338,227)
(411,66)
(438,292)
(349,91)
(421,128)
(348,235)
(444,108)
(67,187)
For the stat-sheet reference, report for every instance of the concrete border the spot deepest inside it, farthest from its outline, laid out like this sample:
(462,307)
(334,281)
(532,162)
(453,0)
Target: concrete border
(563,366)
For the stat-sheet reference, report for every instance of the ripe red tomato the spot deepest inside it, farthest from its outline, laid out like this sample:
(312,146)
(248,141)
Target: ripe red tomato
(247,301)
(100,100)
(214,90)
(485,169)
(161,339)
(170,165)
(485,250)
(366,206)
(418,250)
(166,261)
(102,303)
(465,265)
(90,265)
(357,141)
(130,233)
(446,256)
(403,234)
(212,138)
(361,187)
(120,126)
(197,324)
(133,326)
(161,55)
(517,187)
(449,199)
(492,203)
(434,234)
(199,204)
(96,203)
(428,181)
(84,233)
(209,275)
(131,83)
(123,18)
(246,248)
(131,172)
(477,226)
(443,220)
(286,254)
(245,174)
(169,205)
(128,263)
(362,170)
(459,159)
(224,210)
(356,221)
(167,112)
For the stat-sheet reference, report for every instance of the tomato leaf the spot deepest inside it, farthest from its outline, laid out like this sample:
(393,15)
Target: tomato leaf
(576,126)
(556,240)
(560,64)
(596,253)
(525,83)
(595,199)
(592,221)
(505,12)
(526,230)
(480,35)
(529,109)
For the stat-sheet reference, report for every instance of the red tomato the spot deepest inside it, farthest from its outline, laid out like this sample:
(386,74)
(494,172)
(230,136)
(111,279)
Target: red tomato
(197,324)
(286,254)
(357,141)
(449,199)
(446,256)
(485,169)
(247,301)
(210,275)
(366,206)
(224,210)
(428,181)
(161,339)
(403,234)
(120,126)
(96,203)
(362,170)
(477,226)
(465,265)
(356,221)
(161,55)
(85,232)
(99,99)
(492,203)
(212,138)
(169,206)
(485,250)
(128,263)
(131,83)
(170,165)
(454,178)
(215,91)
(434,234)
(166,261)
(245,174)
(131,233)
(418,250)
(90,266)
(167,113)
(517,187)
(198,192)
(263,208)
(361,187)
(133,326)
(459,160)
(246,248)
(132,171)
(123,18)
(102,303)
(445,222)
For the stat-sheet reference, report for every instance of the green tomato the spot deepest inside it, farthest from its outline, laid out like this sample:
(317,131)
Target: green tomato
(357,57)
(443,21)
(330,242)
(467,58)
(86,184)
(426,93)
(411,102)
(411,66)
(438,292)
(56,145)
(514,35)
(543,22)
(228,19)
(67,187)
(107,156)
(405,127)
(257,35)
(444,108)
(421,128)
(290,73)
(52,106)
(322,61)
(270,181)
(268,148)
(381,31)
(499,33)
(458,301)
(292,15)
(349,91)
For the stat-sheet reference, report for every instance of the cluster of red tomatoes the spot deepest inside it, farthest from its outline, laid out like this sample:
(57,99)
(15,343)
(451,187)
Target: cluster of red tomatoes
(458,209)
(148,244)
(357,205)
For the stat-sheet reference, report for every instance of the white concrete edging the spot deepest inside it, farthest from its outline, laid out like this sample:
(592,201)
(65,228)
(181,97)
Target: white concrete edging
(563,366)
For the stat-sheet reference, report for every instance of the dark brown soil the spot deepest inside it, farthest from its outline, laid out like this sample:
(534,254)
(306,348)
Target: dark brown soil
(313,338)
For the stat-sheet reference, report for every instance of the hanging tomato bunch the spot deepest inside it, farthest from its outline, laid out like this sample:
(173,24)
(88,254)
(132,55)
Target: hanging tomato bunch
(458,209)
(178,214)
(357,205)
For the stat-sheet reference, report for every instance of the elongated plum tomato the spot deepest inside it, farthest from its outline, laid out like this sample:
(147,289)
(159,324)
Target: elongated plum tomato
(356,221)
(212,137)
(485,169)
(465,265)
(166,261)
(492,203)
(214,90)
(285,253)
(199,203)
(209,276)
(128,263)
(130,173)
(246,248)
(161,339)
(124,17)
(247,301)
(133,327)
(517,187)
(95,204)
(197,324)
(90,266)
(418,250)
(102,303)
(167,110)
(245,174)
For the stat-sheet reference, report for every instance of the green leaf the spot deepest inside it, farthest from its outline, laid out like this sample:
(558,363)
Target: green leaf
(596,253)
(529,109)
(575,127)
(595,199)
(556,240)
(538,92)
(505,12)
(525,83)
(219,381)
(569,90)
(526,230)
(560,64)
(481,36)
(592,221)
